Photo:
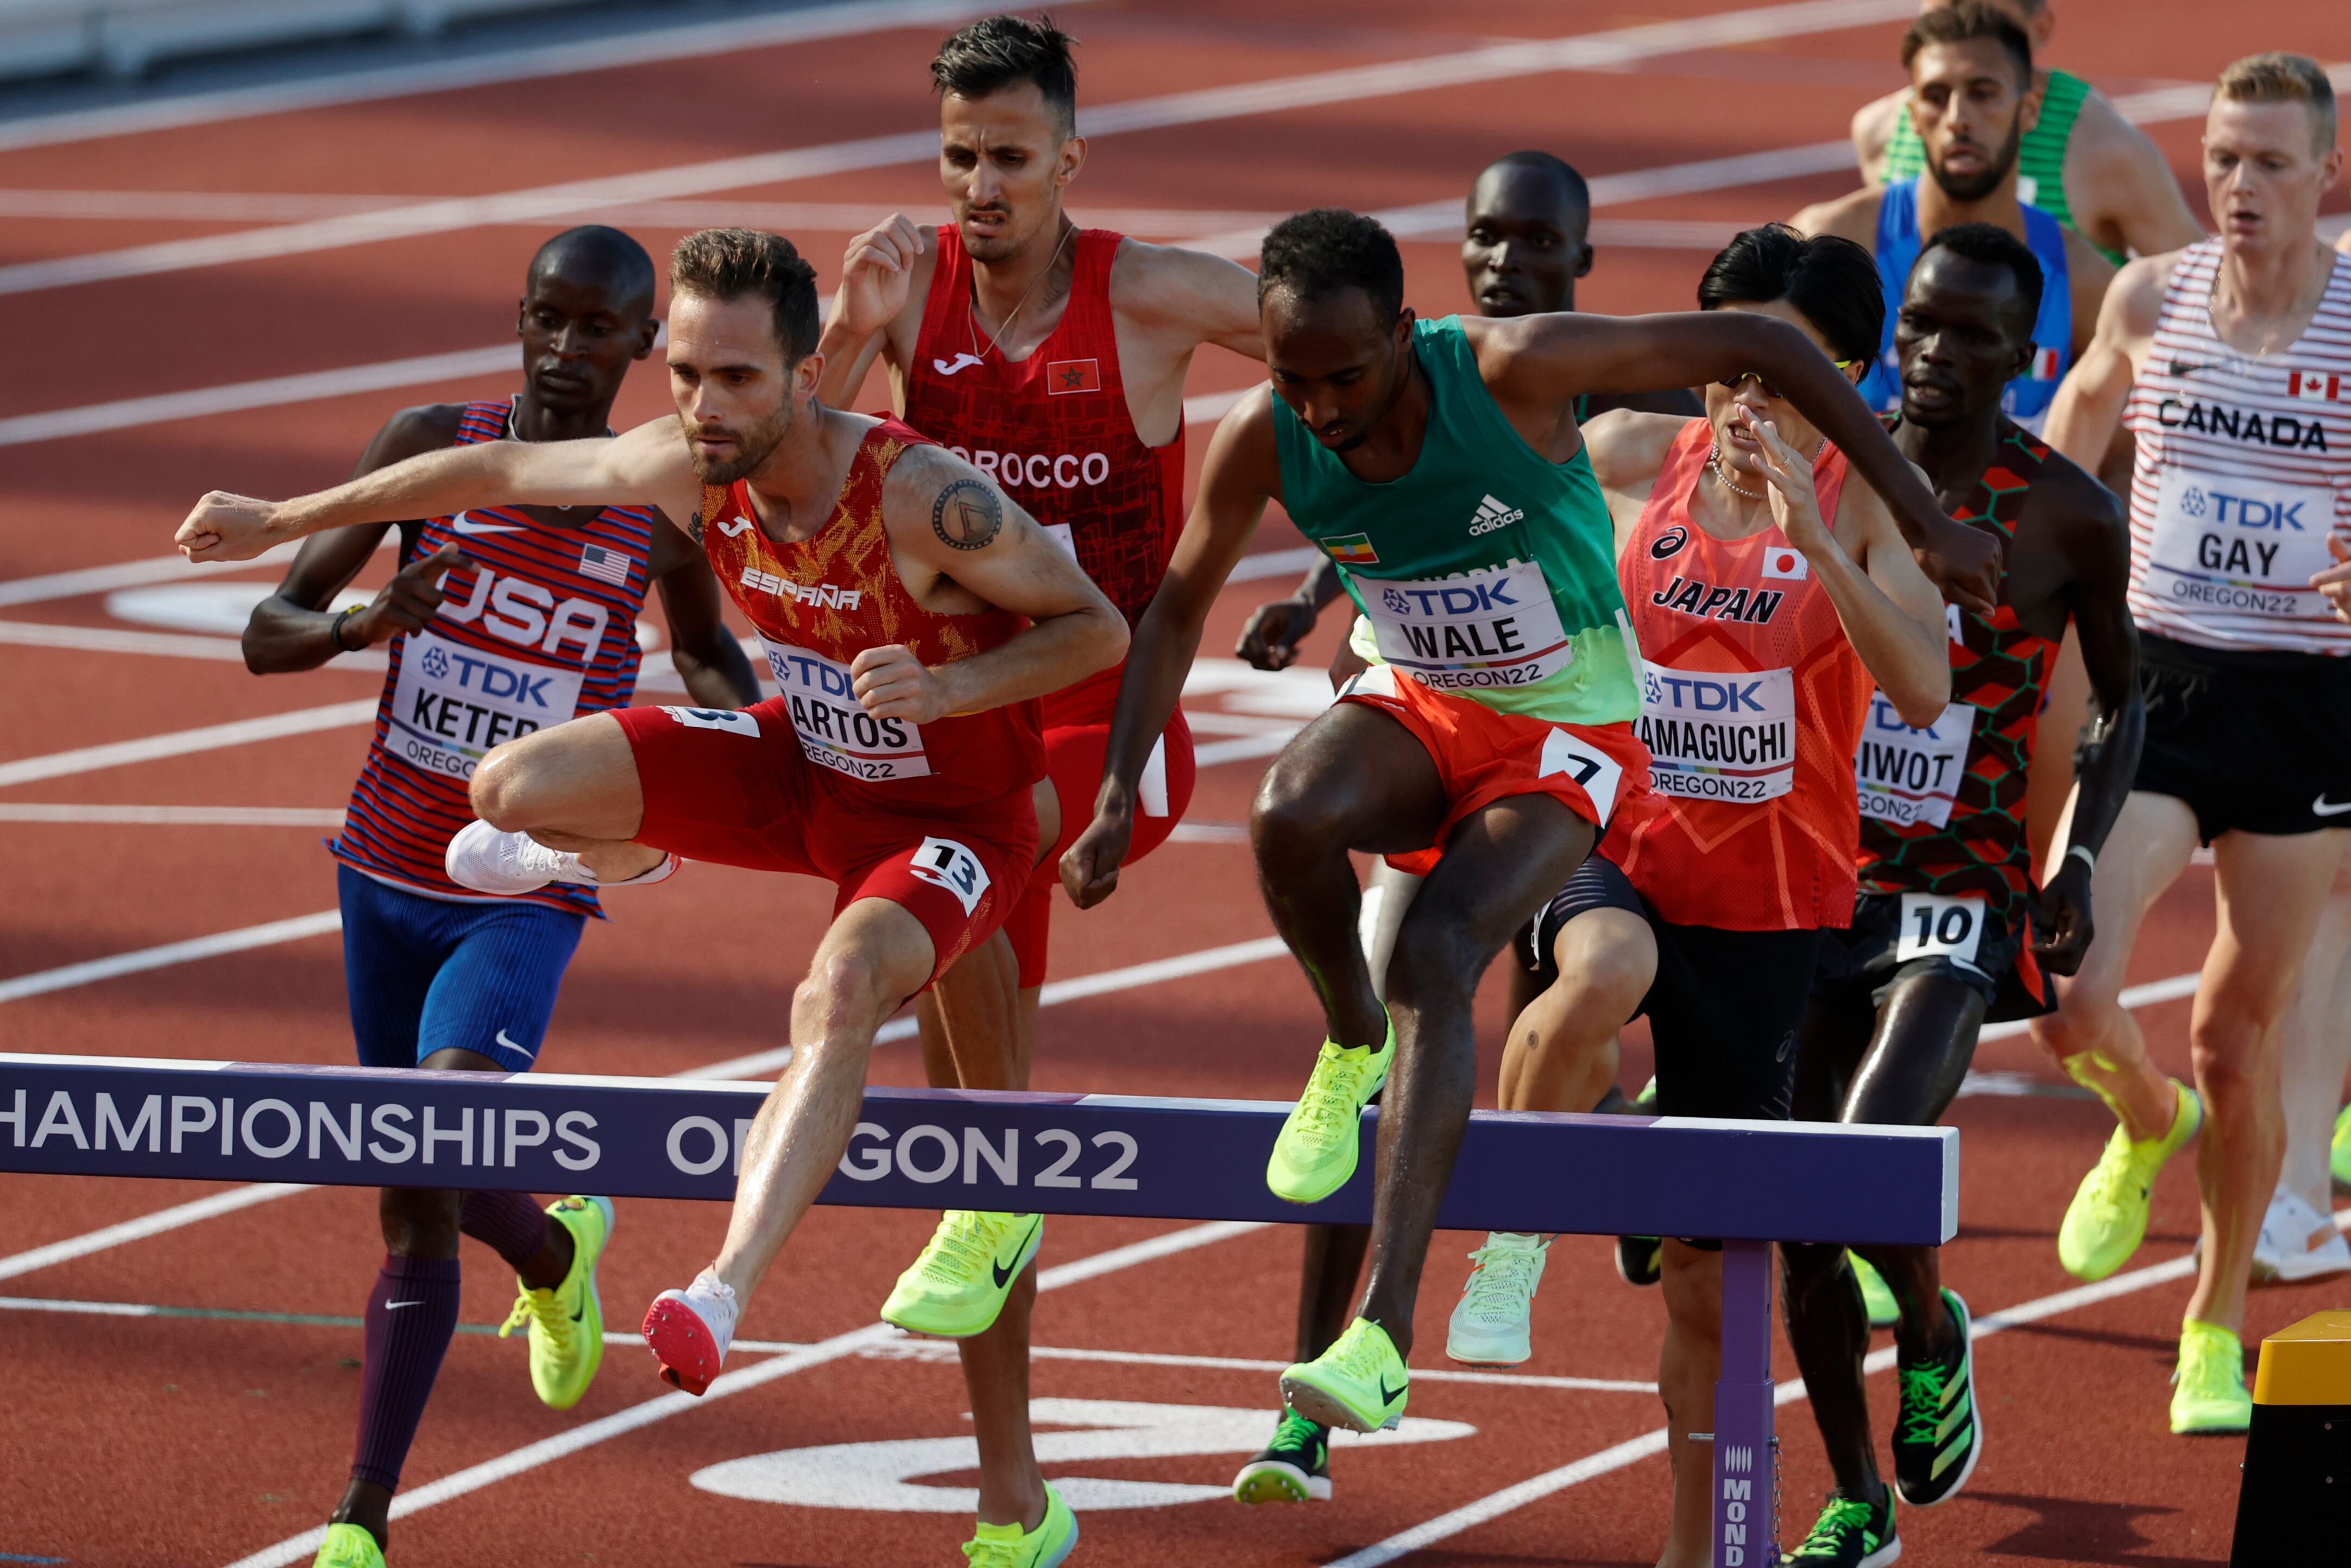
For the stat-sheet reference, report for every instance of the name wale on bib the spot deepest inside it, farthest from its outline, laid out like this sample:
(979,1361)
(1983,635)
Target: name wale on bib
(2240,545)
(1720,735)
(1495,627)
(834,729)
(1911,777)
(454,702)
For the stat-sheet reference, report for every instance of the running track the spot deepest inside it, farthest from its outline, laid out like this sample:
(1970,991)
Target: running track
(214,1432)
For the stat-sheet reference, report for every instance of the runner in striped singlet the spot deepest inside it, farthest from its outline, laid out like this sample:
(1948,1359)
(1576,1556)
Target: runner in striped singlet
(500,621)
(2230,362)
(2081,163)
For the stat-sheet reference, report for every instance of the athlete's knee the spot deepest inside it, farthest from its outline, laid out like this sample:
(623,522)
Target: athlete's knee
(845,986)
(503,789)
(1297,812)
(420,1222)
(2235,1071)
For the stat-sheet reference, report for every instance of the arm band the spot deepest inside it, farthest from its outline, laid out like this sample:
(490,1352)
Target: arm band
(335,629)
(2089,858)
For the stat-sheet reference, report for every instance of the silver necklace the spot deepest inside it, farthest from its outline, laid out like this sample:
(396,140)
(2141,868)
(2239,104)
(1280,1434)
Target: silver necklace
(974,330)
(1722,472)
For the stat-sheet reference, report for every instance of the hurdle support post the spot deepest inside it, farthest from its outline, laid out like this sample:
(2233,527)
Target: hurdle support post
(1746,1460)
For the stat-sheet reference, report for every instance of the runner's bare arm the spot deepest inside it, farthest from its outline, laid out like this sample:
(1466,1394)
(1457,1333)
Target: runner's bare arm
(294,628)
(2092,530)
(702,650)
(878,308)
(1241,473)
(2090,276)
(947,519)
(2134,201)
(1188,297)
(2088,408)
(1627,450)
(1853,216)
(1538,362)
(1873,132)
(646,466)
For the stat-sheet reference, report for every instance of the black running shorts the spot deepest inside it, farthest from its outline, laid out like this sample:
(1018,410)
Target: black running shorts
(2259,742)
(1895,937)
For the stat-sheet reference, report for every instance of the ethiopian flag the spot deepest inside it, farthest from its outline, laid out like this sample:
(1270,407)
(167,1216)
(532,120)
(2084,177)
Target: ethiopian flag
(1353,549)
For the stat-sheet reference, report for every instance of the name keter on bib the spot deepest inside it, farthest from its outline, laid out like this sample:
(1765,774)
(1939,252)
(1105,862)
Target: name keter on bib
(819,603)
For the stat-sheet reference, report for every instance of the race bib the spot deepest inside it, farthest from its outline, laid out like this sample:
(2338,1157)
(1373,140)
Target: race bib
(2240,545)
(1910,777)
(1480,630)
(1937,928)
(454,702)
(1718,735)
(834,730)
(943,862)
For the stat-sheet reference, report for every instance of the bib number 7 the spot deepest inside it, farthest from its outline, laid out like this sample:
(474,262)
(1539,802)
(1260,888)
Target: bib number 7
(943,862)
(1937,928)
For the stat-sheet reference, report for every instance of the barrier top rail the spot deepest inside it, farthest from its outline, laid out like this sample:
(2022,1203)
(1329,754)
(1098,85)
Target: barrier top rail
(915,1148)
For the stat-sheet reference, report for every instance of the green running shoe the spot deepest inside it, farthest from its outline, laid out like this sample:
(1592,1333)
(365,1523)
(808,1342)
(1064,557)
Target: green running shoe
(1316,1151)
(2210,1395)
(1359,1383)
(348,1546)
(1009,1546)
(1493,1322)
(1884,1310)
(1851,1533)
(957,1286)
(1938,1427)
(2107,1218)
(1294,1468)
(567,1323)
(2338,1154)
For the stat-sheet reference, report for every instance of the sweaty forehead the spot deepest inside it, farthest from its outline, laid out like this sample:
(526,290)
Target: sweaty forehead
(1959,288)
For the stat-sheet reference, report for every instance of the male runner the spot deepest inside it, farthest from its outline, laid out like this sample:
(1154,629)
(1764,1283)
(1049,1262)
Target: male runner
(1769,594)
(1972,98)
(889,581)
(2081,163)
(440,977)
(1938,943)
(2228,363)
(1524,246)
(1440,464)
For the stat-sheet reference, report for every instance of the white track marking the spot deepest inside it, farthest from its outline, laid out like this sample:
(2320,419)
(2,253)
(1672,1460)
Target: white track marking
(188,952)
(179,743)
(106,639)
(1353,86)
(624,50)
(175,816)
(138,573)
(146,1225)
(2172,990)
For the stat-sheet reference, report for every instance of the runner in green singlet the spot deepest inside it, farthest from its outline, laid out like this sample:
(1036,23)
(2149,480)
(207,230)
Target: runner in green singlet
(2083,163)
(1440,465)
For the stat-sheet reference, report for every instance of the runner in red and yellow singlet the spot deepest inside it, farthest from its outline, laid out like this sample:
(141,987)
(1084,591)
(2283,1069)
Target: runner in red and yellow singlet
(912,614)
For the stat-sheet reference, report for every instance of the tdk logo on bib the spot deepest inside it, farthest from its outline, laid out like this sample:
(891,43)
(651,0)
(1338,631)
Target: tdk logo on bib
(1491,515)
(454,703)
(2251,511)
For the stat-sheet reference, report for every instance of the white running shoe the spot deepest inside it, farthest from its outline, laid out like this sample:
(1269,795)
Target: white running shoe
(689,1331)
(1492,1323)
(2297,1242)
(488,861)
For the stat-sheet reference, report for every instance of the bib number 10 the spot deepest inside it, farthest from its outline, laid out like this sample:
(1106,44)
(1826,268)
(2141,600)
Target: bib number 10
(1934,927)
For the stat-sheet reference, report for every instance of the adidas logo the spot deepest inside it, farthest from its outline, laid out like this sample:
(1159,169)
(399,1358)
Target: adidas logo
(1491,515)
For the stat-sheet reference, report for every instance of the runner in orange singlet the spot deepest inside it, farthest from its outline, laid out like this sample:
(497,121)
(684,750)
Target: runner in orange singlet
(1767,593)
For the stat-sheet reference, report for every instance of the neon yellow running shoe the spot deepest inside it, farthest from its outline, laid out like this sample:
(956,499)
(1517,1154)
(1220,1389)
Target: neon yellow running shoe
(348,1546)
(2210,1394)
(2339,1155)
(2107,1218)
(1009,1546)
(1876,1297)
(1316,1151)
(957,1286)
(567,1323)
(1360,1382)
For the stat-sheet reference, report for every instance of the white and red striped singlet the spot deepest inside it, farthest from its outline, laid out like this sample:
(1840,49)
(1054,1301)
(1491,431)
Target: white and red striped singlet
(2243,469)
(545,630)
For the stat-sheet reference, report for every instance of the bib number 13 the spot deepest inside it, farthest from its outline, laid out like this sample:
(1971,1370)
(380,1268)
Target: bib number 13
(1935,928)
(943,862)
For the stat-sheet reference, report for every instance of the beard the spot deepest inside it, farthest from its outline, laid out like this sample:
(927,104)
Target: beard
(753,447)
(1984,182)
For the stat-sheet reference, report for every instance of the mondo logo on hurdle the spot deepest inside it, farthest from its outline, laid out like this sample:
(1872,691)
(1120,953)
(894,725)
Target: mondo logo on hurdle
(1748,1183)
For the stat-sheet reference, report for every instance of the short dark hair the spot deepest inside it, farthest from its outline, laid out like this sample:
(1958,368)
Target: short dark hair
(622,261)
(1969,20)
(735,263)
(1832,282)
(1318,252)
(1000,52)
(1993,246)
(1578,190)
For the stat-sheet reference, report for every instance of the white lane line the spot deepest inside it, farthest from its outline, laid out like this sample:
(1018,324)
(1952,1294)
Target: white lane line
(146,1225)
(939,1350)
(106,639)
(128,573)
(173,816)
(193,950)
(1351,86)
(2170,990)
(474,1478)
(693,41)
(179,743)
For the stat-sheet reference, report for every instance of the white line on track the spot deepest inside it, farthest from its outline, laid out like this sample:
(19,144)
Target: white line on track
(108,639)
(1351,86)
(193,950)
(138,573)
(179,743)
(173,816)
(146,1225)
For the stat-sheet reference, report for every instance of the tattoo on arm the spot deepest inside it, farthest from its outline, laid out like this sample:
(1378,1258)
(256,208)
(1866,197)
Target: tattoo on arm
(967,516)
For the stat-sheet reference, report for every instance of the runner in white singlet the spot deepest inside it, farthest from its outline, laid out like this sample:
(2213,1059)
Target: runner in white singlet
(2230,362)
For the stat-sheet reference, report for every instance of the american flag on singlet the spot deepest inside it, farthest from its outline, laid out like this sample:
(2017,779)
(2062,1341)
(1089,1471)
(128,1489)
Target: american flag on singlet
(545,629)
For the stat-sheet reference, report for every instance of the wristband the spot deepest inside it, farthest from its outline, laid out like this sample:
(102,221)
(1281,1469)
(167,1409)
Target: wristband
(335,629)
(2089,859)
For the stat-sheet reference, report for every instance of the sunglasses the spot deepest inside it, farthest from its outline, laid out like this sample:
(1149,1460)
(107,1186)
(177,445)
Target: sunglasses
(1735,382)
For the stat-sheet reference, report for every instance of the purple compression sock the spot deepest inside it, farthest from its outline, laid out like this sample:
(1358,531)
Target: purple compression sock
(511,1223)
(411,1315)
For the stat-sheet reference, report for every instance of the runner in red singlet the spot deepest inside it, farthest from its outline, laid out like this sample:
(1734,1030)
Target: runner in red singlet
(912,614)
(1766,592)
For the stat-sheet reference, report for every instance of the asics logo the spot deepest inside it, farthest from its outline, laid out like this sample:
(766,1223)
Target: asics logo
(465,524)
(959,363)
(2323,807)
(1491,515)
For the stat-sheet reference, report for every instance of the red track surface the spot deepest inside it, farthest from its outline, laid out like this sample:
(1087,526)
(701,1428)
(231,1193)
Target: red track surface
(198,1439)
